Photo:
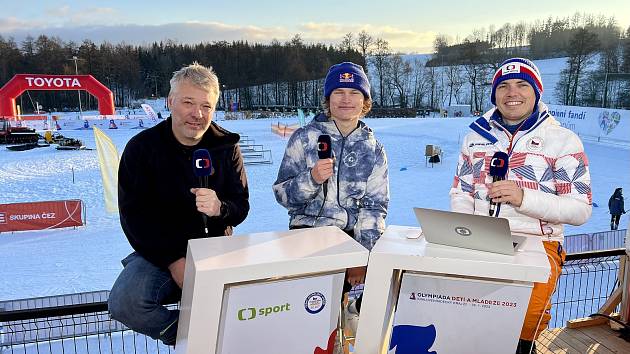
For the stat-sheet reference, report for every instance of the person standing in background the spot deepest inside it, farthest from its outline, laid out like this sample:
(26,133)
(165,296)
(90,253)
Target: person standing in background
(616,208)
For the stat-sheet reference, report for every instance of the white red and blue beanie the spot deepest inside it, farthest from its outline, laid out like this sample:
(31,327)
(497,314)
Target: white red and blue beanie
(518,68)
(346,75)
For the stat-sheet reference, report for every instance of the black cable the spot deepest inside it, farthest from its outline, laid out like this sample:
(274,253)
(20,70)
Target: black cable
(626,327)
(319,213)
(203,181)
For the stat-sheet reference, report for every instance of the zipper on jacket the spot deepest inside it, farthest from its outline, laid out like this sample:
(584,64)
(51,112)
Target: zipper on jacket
(343,143)
(512,136)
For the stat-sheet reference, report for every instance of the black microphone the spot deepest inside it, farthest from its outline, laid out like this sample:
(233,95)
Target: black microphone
(498,170)
(202,167)
(324,151)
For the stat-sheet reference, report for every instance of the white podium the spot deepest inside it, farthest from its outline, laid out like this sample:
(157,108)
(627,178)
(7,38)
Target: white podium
(266,292)
(422,297)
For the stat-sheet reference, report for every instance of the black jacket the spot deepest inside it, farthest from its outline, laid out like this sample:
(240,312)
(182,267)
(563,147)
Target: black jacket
(157,209)
(615,203)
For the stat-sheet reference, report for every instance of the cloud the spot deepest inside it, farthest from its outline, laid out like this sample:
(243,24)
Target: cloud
(12,24)
(62,11)
(402,40)
(65,16)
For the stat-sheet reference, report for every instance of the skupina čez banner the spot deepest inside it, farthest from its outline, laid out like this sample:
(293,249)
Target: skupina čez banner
(457,315)
(287,316)
(40,215)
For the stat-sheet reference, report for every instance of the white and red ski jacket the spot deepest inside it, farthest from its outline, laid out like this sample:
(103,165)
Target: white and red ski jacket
(546,160)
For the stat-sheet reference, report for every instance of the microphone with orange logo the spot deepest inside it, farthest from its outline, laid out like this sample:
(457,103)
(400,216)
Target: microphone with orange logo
(324,151)
(498,170)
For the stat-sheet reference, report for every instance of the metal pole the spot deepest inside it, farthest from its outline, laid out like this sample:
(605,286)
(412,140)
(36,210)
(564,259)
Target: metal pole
(76,71)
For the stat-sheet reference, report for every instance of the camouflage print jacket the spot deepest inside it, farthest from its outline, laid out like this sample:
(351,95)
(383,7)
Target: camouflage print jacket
(358,191)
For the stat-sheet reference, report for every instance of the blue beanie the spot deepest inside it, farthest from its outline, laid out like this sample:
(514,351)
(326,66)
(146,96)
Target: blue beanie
(346,75)
(518,68)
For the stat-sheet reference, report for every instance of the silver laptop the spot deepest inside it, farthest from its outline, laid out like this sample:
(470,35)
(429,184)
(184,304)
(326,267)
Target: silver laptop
(477,232)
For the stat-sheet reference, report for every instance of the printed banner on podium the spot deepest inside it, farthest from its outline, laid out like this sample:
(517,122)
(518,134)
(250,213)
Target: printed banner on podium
(483,316)
(293,315)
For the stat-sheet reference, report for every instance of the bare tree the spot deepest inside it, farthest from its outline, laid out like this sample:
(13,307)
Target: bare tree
(364,42)
(380,60)
(475,70)
(421,84)
(440,42)
(625,66)
(520,34)
(582,48)
(398,77)
(454,82)
(430,75)
(347,42)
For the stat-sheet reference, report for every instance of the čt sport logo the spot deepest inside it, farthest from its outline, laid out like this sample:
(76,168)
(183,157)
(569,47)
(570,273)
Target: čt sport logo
(250,313)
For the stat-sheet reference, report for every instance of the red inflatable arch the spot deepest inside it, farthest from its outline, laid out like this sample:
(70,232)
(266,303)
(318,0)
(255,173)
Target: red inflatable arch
(22,82)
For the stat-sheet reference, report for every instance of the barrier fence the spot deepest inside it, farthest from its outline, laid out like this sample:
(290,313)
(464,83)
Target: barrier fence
(69,324)
(604,240)
(80,323)
(587,280)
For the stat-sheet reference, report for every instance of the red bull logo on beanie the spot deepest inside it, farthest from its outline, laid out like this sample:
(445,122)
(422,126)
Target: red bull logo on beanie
(346,77)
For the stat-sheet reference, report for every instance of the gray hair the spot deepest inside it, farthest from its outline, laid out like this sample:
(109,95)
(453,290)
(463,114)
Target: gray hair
(198,75)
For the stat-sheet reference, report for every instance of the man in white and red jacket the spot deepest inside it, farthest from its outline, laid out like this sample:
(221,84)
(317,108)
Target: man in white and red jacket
(548,182)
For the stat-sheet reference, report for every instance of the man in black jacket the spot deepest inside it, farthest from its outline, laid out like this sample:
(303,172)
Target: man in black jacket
(161,202)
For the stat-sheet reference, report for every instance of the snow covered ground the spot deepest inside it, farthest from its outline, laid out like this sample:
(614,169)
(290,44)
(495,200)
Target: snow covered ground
(86,259)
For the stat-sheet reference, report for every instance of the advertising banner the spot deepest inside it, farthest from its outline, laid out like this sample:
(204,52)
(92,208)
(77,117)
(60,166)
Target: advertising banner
(40,215)
(603,124)
(149,111)
(296,316)
(115,122)
(458,315)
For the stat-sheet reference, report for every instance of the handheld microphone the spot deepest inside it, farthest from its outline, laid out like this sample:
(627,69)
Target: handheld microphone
(498,170)
(202,167)
(324,151)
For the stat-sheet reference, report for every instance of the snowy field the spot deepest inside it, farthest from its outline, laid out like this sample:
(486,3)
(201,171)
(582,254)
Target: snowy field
(67,261)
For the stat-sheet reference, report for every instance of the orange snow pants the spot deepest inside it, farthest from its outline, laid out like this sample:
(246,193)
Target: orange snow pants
(540,300)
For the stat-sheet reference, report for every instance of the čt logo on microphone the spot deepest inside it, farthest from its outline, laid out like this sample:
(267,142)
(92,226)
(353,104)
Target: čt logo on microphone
(202,163)
(497,162)
(324,145)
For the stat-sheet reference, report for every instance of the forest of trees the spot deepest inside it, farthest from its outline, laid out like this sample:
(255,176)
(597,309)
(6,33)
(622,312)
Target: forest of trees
(597,71)
(133,72)
(588,41)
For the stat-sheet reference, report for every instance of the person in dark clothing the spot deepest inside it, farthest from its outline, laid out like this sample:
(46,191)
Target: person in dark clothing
(616,208)
(161,202)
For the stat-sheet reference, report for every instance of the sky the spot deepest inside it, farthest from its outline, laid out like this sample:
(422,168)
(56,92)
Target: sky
(408,25)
